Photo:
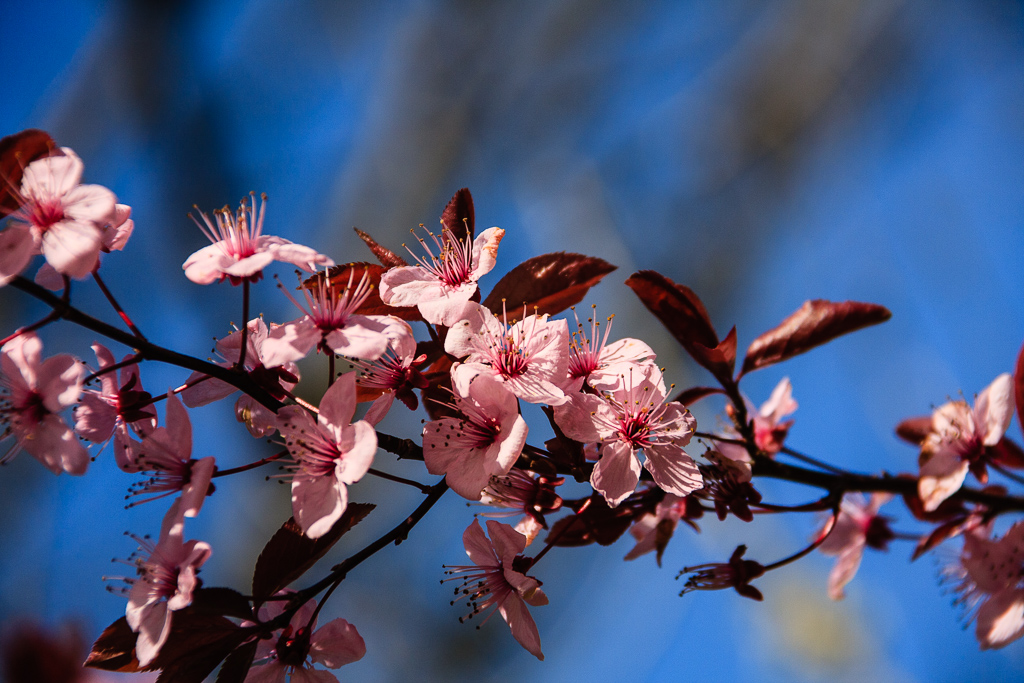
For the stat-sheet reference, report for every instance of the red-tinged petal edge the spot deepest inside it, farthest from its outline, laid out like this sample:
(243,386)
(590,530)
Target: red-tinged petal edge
(546,284)
(816,322)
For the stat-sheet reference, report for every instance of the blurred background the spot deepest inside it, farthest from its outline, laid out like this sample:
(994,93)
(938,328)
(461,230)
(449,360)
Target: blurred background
(760,153)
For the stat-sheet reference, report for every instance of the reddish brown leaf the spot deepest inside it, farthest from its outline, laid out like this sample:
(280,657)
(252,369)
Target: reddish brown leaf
(196,645)
(546,284)
(1018,387)
(459,216)
(694,394)
(914,429)
(813,324)
(114,650)
(941,533)
(236,666)
(679,310)
(218,601)
(16,152)
(720,360)
(289,553)
(387,258)
(340,276)
(1008,454)
(596,524)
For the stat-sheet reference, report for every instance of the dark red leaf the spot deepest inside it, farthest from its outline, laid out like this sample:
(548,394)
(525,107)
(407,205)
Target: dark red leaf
(341,275)
(681,312)
(387,258)
(1018,387)
(459,216)
(597,524)
(720,360)
(693,394)
(546,284)
(289,553)
(16,152)
(1008,454)
(813,324)
(196,646)
(114,650)
(236,666)
(220,601)
(914,429)
(941,533)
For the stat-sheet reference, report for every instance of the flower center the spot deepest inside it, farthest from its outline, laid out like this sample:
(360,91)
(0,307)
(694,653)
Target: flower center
(46,213)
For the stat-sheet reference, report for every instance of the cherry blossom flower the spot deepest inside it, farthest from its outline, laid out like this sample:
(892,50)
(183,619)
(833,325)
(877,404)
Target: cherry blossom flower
(58,218)
(599,364)
(727,483)
(167,452)
(119,408)
(278,382)
(958,440)
(636,417)
(328,453)
(393,375)
(523,492)
(32,393)
(769,429)
(440,285)
(115,236)
(165,582)
(858,526)
(991,573)
(294,649)
(331,324)
(654,530)
(736,573)
(531,357)
(483,444)
(240,251)
(492,581)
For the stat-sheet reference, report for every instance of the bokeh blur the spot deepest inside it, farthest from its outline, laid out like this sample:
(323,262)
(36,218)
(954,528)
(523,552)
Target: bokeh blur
(760,153)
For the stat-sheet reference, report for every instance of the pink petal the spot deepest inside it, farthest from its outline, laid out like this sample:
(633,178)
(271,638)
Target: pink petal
(485,251)
(358,446)
(580,417)
(672,469)
(52,176)
(408,285)
(154,627)
(290,342)
(780,403)
(17,246)
(449,308)
(72,247)
(48,277)
(844,570)
(1001,619)
(336,644)
(60,382)
(941,477)
(250,265)
(206,265)
(994,408)
(616,474)
(206,391)
(313,676)
(19,360)
(339,402)
(95,419)
(507,541)
(479,549)
(55,445)
(317,503)
(379,408)
(524,629)
(303,257)
(90,203)
(258,419)
(179,428)
(271,672)
(362,337)
(194,493)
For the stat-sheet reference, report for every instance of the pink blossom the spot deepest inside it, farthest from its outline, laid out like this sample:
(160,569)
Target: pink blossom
(331,324)
(636,417)
(115,236)
(394,374)
(858,526)
(531,357)
(599,364)
(991,573)
(440,285)
(769,429)
(958,440)
(240,251)
(523,493)
(167,452)
(32,393)
(278,382)
(295,648)
(653,531)
(166,580)
(119,408)
(493,581)
(58,218)
(328,453)
(485,443)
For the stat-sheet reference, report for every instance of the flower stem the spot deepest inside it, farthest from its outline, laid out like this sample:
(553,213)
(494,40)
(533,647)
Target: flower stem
(251,466)
(391,477)
(116,306)
(240,365)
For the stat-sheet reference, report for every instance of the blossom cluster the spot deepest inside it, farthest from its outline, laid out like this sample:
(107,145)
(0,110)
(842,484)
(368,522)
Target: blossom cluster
(615,426)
